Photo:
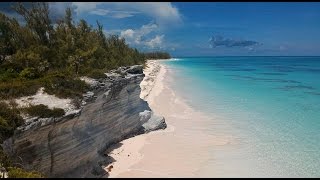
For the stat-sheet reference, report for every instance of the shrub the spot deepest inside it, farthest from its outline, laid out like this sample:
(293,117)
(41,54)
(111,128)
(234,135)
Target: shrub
(97,74)
(76,102)
(57,112)
(7,75)
(18,88)
(29,73)
(27,57)
(5,129)
(4,159)
(9,120)
(43,111)
(12,116)
(64,86)
(15,172)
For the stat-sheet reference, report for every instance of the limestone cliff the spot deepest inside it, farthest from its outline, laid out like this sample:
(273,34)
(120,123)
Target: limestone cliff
(73,146)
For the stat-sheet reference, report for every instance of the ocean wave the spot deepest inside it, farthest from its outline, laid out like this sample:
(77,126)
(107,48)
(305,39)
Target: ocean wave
(175,59)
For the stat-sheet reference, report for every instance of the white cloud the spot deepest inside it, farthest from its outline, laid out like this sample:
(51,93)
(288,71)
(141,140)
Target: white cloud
(108,32)
(142,36)
(83,7)
(148,28)
(155,42)
(162,12)
(100,12)
(123,14)
(136,36)
(127,33)
(114,14)
(250,48)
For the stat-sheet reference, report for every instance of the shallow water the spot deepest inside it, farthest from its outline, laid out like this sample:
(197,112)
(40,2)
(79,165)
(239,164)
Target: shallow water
(269,106)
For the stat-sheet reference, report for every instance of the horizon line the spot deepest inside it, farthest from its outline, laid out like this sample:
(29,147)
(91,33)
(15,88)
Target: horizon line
(243,56)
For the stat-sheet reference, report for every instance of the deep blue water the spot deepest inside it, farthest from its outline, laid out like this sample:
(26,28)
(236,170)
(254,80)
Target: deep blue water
(272,105)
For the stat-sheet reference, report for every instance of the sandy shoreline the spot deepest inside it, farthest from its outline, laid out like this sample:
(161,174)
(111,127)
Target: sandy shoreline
(178,151)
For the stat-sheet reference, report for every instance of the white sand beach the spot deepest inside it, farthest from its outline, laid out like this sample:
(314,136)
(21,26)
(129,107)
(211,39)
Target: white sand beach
(178,151)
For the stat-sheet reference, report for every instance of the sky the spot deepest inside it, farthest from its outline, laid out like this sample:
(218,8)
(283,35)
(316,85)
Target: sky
(204,28)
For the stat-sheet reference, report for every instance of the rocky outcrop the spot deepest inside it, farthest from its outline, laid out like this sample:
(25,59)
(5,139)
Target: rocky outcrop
(152,122)
(73,145)
(137,69)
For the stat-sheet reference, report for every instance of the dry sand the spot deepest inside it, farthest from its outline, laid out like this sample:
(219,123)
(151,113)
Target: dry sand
(51,101)
(178,151)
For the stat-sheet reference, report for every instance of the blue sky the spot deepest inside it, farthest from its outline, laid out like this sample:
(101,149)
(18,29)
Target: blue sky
(206,29)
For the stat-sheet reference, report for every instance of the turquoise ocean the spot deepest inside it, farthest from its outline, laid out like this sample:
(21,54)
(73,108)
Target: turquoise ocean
(269,106)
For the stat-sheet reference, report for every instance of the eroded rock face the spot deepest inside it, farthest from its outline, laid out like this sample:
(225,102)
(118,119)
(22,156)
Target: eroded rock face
(137,69)
(152,122)
(74,145)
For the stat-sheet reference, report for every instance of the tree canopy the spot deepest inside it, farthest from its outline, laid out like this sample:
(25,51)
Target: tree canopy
(76,47)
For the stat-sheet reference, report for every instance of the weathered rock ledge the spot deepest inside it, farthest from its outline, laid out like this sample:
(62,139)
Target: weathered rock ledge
(74,145)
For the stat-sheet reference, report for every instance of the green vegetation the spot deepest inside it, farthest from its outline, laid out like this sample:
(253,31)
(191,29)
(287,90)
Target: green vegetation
(9,120)
(4,159)
(41,53)
(96,74)
(17,88)
(15,172)
(157,55)
(43,111)
(63,85)
(54,56)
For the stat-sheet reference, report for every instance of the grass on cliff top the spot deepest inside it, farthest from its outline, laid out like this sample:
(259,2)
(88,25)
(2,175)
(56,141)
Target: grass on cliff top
(43,111)
(18,88)
(97,74)
(61,84)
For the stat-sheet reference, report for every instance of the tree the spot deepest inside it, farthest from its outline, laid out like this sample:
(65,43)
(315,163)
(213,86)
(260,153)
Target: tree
(68,18)
(37,54)
(6,47)
(37,19)
(75,62)
(102,37)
